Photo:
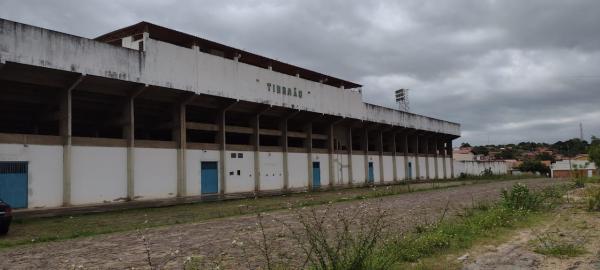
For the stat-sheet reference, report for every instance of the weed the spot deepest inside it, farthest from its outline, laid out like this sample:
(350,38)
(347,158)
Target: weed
(558,244)
(579,182)
(520,198)
(594,200)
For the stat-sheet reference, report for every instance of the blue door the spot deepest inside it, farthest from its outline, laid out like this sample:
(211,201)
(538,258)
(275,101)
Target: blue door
(209,177)
(13,183)
(371,173)
(316,175)
(409,170)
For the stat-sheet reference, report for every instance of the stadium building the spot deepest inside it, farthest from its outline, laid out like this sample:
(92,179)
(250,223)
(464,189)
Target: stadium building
(146,112)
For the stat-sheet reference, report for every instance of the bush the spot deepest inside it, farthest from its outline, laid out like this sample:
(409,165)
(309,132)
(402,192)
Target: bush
(579,182)
(594,200)
(520,198)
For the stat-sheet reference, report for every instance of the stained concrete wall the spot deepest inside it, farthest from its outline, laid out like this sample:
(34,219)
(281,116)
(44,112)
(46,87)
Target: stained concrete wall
(45,175)
(155,173)
(194,159)
(188,69)
(298,170)
(242,162)
(477,167)
(98,174)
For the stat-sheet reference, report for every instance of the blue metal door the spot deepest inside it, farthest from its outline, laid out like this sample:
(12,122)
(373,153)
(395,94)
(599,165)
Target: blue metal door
(316,175)
(209,177)
(409,170)
(371,173)
(13,183)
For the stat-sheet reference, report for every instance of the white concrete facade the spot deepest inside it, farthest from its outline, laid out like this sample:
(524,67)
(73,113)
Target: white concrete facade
(99,173)
(189,69)
(142,151)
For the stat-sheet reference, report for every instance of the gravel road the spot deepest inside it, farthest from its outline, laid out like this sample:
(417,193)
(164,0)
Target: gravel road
(213,239)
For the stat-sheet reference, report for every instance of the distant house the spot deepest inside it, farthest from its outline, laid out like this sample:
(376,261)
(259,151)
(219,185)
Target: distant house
(584,157)
(573,168)
(463,154)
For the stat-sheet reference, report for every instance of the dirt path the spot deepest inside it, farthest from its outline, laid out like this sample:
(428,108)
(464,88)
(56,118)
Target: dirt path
(213,239)
(570,224)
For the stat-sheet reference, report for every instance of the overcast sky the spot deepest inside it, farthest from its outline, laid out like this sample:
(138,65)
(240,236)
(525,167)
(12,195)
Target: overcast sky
(506,70)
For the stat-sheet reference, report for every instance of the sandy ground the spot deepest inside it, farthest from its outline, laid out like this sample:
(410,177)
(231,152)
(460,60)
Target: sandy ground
(571,223)
(213,239)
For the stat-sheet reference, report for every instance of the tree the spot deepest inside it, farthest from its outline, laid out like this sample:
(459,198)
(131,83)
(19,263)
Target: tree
(594,154)
(544,156)
(465,144)
(534,166)
(480,150)
(506,154)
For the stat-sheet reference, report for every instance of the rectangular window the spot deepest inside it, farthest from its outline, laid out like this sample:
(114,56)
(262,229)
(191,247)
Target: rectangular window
(233,155)
(240,155)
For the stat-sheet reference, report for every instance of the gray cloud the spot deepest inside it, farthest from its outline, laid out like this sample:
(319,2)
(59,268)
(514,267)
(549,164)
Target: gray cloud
(508,70)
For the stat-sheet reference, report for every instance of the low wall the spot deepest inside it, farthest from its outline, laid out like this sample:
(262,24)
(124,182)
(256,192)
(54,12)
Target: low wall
(477,167)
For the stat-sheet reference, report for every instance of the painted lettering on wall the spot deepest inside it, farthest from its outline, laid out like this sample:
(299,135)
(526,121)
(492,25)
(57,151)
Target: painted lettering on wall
(282,90)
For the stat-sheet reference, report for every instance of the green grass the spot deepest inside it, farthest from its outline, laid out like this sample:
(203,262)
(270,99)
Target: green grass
(478,222)
(36,230)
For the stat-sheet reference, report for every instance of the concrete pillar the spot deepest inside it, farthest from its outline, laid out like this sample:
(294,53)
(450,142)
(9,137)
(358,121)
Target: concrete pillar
(284,150)
(222,153)
(256,144)
(349,137)
(427,154)
(394,162)
(181,131)
(129,135)
(308,145)
(417,168)
(380,146)
(331,151)
(443,152)
(435,157)
(406,172)
(66,132)
(365,143)
(449,149)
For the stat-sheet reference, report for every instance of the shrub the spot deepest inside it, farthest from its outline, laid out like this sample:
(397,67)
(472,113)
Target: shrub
(520,198)
(579,182)
(594,200)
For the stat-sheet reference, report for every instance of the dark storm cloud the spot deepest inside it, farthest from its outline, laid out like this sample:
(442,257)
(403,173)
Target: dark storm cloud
(506,70)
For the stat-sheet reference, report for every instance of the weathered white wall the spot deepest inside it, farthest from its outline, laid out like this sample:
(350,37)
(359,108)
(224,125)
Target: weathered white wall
(477,167)
(440,168)
(422,168)
(155,173)
(98,174)
(194,158)
(358,169)
(245,181)
(388,168)
(45,171)
(298,170)
(400,169)
(171,66)
(431,161)
(340,169)
(324,163)
(271,170)
(448,167)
